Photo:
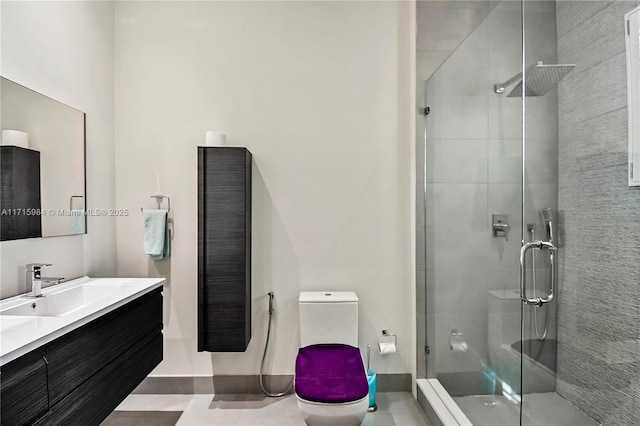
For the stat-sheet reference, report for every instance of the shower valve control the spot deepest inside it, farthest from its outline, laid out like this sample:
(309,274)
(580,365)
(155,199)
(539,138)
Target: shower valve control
(500,225)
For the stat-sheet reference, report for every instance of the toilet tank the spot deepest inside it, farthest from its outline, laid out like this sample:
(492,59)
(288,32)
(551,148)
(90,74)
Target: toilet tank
(328,317)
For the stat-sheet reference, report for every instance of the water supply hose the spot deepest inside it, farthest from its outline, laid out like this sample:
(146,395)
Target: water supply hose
(264,354)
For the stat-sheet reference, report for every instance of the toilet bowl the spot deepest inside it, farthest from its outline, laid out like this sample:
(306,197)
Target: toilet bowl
(323,414)
(330,380)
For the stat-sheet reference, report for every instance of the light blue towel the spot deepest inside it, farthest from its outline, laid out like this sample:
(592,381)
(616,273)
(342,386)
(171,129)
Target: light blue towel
(77,221)
(166,251)
(155,232)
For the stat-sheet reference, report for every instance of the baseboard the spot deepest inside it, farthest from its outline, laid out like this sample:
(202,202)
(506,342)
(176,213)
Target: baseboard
(394,382)
(241,384)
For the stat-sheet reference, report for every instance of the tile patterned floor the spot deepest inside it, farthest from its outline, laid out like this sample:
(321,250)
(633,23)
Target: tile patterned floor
(394,409)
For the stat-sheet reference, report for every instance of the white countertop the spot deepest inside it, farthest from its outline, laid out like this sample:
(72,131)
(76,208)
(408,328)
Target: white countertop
(21,334)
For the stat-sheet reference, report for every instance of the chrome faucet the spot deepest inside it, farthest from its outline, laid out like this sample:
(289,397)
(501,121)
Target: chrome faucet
(35,280)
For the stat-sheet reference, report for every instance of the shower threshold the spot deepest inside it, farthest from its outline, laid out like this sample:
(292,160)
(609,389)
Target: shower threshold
(540,409)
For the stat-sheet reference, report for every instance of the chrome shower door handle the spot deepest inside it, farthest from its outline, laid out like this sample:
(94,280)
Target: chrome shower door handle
(541,245)
(553,272)
(523,273)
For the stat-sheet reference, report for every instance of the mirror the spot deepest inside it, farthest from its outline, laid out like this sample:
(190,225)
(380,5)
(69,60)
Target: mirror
(42,165)
(632,25)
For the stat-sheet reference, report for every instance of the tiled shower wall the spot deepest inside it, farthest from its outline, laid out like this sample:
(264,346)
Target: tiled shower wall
(599,311)
(474,169)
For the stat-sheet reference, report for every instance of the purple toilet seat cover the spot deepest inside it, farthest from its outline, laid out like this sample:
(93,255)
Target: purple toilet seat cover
(330,373)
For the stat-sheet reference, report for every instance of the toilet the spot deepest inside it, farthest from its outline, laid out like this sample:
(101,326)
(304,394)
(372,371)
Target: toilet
(330,379)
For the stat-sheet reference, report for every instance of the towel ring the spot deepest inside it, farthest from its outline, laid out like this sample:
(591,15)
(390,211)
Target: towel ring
(159,198)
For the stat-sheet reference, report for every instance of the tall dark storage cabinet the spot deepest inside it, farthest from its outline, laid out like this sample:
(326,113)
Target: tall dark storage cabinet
(224,249)
(19,193)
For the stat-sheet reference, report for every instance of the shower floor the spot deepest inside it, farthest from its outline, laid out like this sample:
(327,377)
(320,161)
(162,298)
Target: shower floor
(540,409)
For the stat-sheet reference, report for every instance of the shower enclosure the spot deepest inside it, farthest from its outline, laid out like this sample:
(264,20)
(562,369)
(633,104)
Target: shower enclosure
(521,160)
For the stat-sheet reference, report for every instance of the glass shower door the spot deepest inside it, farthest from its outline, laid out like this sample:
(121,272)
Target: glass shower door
(540,228)
(540,254)
(472,192)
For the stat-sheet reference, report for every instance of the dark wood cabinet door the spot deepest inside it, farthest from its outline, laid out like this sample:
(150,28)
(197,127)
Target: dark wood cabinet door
(95,399)
(78,355)
(23,389)
(224,249)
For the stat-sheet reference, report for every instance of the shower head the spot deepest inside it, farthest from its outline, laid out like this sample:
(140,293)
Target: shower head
(540,79)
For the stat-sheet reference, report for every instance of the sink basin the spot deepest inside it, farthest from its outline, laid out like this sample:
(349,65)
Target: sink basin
(61,303)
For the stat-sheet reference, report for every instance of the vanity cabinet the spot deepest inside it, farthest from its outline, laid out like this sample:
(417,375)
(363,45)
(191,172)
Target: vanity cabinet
(82,376)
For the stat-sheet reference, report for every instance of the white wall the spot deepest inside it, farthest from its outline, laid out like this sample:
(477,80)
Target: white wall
(65,50)
(320,92)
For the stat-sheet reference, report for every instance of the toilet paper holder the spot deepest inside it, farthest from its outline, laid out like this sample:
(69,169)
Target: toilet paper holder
(456,342)
(387,333)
